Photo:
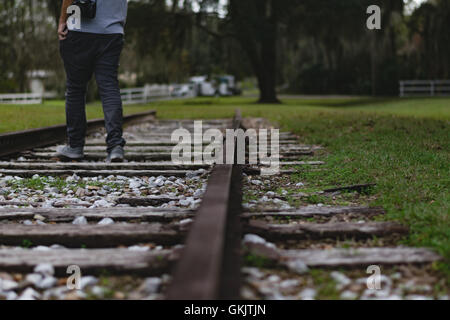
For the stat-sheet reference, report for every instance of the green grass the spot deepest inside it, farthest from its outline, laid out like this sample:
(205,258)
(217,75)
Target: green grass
(22,117)
(400,144)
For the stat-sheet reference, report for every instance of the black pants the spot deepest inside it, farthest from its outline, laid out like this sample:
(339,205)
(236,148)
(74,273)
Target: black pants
(85,54)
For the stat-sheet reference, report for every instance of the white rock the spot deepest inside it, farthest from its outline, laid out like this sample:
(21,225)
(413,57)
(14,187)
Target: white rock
(198,193)
(88,281)
(371,294)
(134,184)
(151,285)
(300,184)
(159,182)
(102,203)
(274,278)
(185,202)
(139,248)
(29,294)
(98,291)
(253,238)
(297,266)
(80,221)
(55,293)
(38,217)
(34,278)
(247,294)
(349,295)
(28,223)
(57,246)
(41,248)
(106,221)
(286,284)
(7,285)
(47,283)
(253,272)
(80,192)
(72,178)
(48,204)
(11,295)
(44,268)
(256,182)
(308,294)
(185,222)
(270,293)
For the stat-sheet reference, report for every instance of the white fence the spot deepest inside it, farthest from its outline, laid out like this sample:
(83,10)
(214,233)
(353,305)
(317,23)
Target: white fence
(156,92)
(21,98)
(129,96)
(424,88)
(26,98)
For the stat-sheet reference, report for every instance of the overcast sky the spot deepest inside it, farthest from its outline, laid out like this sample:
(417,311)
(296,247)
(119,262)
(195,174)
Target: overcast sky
(413,4)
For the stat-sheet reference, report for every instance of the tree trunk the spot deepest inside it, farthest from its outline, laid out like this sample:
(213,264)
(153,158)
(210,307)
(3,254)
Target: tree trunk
(267,70)
(266,84)
(255,24)
(264,66)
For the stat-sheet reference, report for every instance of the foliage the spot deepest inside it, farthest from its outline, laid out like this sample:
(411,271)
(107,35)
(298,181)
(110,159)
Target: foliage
(308,46)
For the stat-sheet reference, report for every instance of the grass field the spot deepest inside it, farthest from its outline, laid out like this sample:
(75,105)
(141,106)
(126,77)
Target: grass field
(401,144)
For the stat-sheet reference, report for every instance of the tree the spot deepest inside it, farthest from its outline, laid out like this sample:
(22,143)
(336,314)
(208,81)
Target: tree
(27,42)
(430,53)
(255,25)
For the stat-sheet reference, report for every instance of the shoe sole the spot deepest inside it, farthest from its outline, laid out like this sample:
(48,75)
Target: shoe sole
(66,158)
(115,159)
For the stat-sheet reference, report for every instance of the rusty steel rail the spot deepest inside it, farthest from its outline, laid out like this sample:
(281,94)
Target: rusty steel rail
(15,142)
(209,266)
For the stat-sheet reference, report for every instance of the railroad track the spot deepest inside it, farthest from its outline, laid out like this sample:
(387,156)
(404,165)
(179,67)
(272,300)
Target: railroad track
(151,229)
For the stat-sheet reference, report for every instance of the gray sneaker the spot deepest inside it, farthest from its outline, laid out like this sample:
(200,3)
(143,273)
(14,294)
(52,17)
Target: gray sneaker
(116,155)
(67,152)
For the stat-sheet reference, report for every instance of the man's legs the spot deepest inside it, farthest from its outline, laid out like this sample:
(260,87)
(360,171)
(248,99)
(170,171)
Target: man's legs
(76,54)
(106,73)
